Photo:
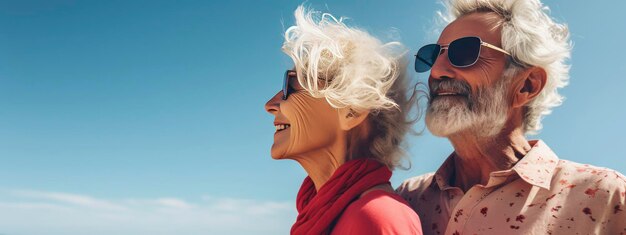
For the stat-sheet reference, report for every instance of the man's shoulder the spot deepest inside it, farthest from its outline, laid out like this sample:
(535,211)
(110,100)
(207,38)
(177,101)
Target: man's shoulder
(587,172)
(415,184)
(588,178)
(586,188)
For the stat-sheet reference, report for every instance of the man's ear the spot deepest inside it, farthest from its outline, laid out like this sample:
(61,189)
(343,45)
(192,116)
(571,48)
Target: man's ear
(530,84)
(350,118)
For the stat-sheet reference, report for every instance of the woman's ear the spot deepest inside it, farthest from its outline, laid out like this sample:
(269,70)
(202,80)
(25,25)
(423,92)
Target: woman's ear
(350,118)
(530,84)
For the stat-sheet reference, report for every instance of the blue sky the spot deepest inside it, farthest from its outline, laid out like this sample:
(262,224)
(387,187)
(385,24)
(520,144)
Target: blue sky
(146,117)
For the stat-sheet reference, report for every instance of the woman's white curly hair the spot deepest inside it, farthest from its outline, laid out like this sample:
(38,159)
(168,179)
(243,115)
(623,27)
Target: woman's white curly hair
(350,68)
(534,39)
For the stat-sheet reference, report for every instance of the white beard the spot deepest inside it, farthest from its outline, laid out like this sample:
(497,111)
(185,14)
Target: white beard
(484,113)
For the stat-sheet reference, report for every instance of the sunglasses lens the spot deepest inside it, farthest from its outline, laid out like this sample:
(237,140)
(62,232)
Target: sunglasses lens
(286,85)
(426,57)
(464,52)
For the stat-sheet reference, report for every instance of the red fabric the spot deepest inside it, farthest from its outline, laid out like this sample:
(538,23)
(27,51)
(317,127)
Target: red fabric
(317,211)
(378,213)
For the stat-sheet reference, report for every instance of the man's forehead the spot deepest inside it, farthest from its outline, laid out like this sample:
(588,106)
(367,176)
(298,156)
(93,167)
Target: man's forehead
(482,24)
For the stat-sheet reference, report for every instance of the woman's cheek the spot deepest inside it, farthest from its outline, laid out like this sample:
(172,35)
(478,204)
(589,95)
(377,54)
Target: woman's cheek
(313,123)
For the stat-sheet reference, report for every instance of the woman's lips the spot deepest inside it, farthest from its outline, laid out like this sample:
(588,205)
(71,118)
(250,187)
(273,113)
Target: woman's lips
(281,127)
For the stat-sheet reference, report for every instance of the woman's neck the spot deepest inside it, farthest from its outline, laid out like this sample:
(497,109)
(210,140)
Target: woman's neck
(321,164)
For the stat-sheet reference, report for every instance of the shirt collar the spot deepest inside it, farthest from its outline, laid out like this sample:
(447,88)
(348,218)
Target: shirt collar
(444,173)
(536,168)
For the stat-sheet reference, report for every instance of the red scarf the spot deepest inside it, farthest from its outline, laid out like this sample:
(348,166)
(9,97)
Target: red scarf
(317,211)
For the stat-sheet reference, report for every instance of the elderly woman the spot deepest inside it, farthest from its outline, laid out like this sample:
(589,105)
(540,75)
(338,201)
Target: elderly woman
(343,114)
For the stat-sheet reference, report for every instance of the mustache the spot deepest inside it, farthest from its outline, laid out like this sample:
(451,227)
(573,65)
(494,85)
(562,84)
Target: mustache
(450,85)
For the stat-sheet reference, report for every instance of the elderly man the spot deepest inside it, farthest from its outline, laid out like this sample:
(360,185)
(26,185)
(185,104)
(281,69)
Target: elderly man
(495,71)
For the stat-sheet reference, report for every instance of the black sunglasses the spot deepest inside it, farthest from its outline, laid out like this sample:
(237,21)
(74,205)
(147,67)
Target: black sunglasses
(289,74)
(462,52)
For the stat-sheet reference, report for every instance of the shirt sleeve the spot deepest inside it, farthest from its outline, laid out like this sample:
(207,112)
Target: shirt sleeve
(616,211)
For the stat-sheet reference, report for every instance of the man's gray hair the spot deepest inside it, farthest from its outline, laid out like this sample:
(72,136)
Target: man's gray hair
(534,39)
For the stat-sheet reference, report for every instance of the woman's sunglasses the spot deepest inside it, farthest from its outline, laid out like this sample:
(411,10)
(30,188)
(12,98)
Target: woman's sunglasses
(462,52)
(289,75)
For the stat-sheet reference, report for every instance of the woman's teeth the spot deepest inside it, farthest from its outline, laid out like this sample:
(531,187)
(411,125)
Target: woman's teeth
(281,127)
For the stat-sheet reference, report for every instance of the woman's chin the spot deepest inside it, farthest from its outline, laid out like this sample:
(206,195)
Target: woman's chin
(278,157)
(278,153)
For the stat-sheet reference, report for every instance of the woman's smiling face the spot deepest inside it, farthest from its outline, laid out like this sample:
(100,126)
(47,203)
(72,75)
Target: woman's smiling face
(303,123)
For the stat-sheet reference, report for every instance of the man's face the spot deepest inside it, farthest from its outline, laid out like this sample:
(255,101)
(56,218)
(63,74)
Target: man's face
(470,98)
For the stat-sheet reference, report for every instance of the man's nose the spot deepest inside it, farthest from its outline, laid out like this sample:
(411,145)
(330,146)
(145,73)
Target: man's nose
(442,67)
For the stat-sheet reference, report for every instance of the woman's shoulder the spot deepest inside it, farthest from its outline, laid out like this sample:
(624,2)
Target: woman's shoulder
(380,205)
(378,212)
(379,200)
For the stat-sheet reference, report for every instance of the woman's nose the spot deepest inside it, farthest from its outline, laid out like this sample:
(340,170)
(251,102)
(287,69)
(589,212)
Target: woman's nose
(273,104)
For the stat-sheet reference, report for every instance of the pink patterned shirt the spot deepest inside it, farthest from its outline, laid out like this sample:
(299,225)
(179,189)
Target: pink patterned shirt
(539,195)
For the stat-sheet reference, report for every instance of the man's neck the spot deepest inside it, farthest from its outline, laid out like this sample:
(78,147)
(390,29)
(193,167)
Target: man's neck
(476,157)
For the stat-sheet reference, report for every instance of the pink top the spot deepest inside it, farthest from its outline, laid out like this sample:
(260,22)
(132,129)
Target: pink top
(378,212)
(539,195)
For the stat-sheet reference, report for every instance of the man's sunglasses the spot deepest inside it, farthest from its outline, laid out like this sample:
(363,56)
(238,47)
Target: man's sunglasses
(462,52)
(289,75)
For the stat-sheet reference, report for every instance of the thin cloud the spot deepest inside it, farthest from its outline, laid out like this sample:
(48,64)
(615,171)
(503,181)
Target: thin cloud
(174,203)
(71,199)
(39,212)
